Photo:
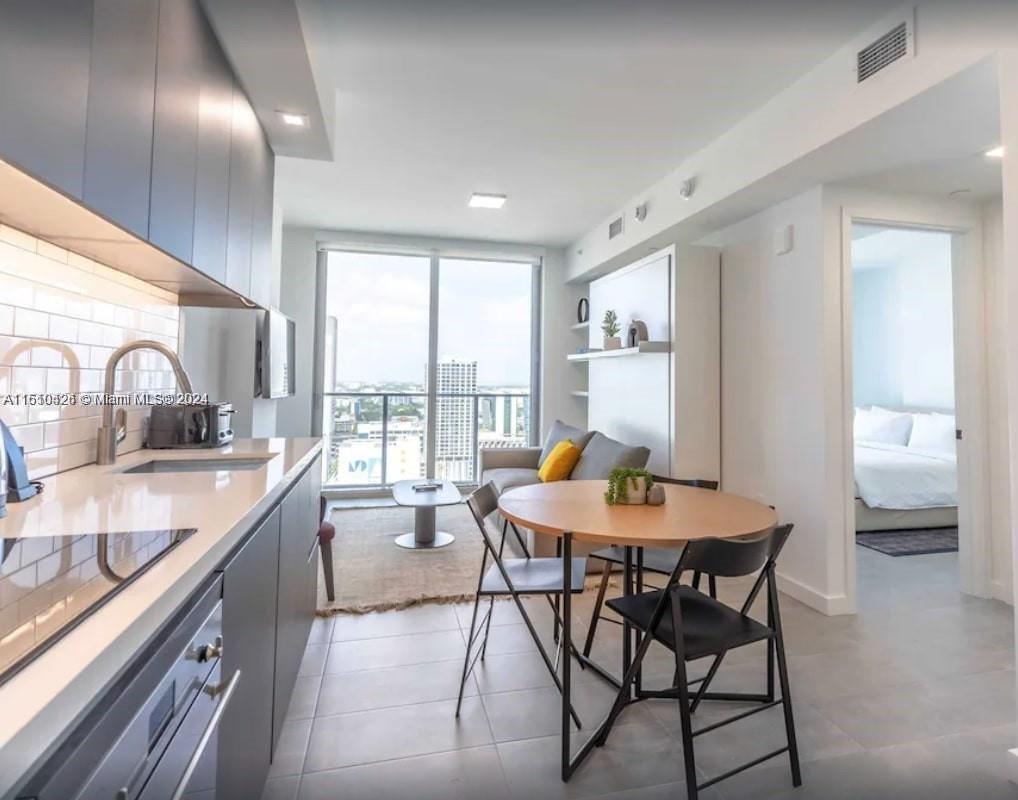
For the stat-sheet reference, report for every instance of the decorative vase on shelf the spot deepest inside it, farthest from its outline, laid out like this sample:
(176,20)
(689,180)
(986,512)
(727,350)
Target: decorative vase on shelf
(612,343)
(636,494)
(637,333)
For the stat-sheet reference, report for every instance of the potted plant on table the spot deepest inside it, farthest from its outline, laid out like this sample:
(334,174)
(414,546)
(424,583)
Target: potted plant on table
(610,327)
(628,486)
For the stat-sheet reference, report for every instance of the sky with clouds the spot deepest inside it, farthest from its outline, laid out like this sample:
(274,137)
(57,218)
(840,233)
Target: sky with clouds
(380,303)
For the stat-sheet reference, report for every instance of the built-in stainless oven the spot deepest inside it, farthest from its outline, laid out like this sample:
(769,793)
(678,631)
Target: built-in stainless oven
(153,736)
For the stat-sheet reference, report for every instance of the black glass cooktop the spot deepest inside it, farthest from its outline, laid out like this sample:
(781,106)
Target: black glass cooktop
(49,584)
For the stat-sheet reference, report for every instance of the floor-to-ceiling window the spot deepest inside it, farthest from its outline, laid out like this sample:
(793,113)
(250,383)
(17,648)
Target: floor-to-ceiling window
(427,359)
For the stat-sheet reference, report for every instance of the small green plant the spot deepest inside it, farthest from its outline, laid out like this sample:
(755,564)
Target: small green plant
(619,480)
(610,324)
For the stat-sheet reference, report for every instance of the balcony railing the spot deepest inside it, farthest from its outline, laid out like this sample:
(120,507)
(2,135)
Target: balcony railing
(376,438)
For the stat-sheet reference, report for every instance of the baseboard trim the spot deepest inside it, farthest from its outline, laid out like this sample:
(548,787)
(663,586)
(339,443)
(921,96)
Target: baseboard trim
(829,605)
(998,591)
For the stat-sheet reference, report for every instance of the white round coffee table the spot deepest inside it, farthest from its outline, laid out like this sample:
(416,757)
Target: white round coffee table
(424,502)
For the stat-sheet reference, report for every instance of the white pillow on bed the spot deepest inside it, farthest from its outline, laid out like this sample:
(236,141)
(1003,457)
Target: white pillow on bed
(880,425)
(933,432)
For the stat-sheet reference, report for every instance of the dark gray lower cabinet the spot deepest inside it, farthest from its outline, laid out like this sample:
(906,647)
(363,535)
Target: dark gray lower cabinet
(298,583)
(270,592)
(249,644)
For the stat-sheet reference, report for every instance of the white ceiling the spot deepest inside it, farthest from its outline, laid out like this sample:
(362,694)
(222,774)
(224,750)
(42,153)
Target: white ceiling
(568,108)
(968,177)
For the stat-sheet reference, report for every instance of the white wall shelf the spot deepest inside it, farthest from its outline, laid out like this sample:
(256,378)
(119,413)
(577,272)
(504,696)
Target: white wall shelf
(643,347)
(580,326)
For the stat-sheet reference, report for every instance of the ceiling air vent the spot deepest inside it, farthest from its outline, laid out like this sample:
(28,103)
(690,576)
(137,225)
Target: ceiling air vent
(890,47)
(615,228)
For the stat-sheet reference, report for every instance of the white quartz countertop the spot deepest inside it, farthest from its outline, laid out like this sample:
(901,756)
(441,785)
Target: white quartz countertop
(52,693)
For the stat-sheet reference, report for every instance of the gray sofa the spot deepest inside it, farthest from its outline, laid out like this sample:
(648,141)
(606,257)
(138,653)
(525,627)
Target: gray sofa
(512,467)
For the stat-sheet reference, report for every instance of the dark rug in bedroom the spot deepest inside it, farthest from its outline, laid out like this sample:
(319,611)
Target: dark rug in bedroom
(910,543)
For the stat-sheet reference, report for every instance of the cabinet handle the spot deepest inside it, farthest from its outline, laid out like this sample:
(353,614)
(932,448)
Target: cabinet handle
(225,691)
(206,652)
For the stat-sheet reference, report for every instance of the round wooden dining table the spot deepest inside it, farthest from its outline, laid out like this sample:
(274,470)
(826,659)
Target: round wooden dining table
(688,513)
(576,510)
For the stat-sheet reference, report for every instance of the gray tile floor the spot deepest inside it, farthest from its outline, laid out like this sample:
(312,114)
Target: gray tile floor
(912,698)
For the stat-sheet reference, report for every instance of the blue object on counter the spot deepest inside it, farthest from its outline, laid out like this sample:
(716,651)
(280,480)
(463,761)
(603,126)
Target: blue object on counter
(3,470)
(19,487)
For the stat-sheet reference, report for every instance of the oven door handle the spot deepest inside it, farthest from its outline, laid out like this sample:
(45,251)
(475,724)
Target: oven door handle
(225,692)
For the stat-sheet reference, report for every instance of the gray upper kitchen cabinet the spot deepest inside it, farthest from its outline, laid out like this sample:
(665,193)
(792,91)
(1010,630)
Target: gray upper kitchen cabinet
(243,163)
(212,185)
(298,587)
(261,226)
(121,96)
(249,644)
(44,63)
(175,130)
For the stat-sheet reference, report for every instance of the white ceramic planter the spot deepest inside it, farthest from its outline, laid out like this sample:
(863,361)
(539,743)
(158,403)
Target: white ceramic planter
(636,495)
(612,343)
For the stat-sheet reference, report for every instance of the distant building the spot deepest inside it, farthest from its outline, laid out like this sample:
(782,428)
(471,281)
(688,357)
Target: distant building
(454,429)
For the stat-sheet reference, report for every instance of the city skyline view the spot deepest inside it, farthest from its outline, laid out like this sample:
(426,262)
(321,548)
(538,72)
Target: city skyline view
(379,352)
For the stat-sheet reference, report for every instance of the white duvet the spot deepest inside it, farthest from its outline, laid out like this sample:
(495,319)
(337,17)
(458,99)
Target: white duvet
(893,476)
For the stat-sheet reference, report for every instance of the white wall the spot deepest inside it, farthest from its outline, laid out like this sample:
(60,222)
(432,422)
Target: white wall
(951,36)
(559,378)
(786,392)
(218,351)
(902,315)
(630,397)
(999,452)
(773,417)
(297,300)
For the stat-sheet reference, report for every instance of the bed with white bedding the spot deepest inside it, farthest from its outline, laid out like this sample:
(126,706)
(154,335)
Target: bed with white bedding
(899,485)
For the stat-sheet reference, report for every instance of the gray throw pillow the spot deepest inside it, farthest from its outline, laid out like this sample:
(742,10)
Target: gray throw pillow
(559,431)
(602,455)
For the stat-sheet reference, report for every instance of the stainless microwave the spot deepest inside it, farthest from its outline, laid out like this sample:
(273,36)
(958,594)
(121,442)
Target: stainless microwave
(275,355)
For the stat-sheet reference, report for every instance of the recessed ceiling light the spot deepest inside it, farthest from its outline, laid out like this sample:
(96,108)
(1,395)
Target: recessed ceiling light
(293,118)
(478,200)
(996,152)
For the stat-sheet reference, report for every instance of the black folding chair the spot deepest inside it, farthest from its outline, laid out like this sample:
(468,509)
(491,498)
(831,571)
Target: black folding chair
(695,626)
(514,577)
(660,561)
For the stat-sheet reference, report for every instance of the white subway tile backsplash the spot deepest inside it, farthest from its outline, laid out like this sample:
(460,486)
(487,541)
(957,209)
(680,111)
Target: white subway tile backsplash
(90,333)
(18,238)
(28,380)
(63,329)
(51,251)
(61,317)
(58,381)
(30,324)
(30,437)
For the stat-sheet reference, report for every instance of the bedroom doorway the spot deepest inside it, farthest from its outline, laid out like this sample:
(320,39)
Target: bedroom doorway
(913,334)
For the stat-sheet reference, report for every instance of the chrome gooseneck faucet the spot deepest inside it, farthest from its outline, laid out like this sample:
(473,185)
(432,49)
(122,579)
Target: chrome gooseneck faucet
(112,433)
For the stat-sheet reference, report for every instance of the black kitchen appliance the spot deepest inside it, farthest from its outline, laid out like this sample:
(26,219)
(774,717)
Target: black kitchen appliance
(153,735)
(65,569)
(190,426)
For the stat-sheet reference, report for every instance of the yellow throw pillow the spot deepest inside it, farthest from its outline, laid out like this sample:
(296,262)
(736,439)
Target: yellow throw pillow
(560,462)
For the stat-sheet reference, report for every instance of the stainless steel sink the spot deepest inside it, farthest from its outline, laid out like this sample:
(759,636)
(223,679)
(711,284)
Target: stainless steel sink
(198,465)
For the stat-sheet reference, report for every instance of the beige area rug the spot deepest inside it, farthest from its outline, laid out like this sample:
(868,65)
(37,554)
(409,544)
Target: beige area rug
(374,574)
